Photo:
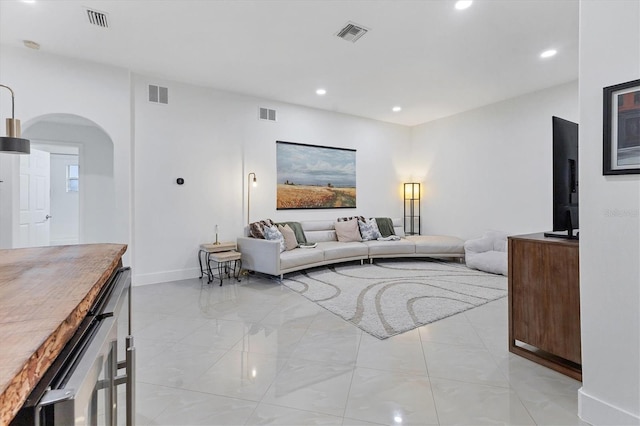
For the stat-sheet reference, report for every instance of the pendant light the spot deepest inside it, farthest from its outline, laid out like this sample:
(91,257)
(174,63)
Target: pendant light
(13,143)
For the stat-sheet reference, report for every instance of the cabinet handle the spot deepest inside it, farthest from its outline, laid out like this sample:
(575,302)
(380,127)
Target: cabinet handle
(129,379)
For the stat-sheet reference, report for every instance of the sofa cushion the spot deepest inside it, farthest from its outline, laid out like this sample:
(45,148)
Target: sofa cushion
(317,225)
(300,257)
(398,227)
(272,233)
(336,250)
(437,244)
(290,241)
(319,230)
(384,248)
(348,231)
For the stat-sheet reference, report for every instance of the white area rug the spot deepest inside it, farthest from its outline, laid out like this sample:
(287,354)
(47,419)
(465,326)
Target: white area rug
(391,297)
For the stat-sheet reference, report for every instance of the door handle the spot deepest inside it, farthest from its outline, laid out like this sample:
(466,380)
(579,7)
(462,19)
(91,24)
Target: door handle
(47,217)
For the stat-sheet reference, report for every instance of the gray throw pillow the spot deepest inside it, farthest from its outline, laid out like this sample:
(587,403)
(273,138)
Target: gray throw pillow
(369,230)
(272,233)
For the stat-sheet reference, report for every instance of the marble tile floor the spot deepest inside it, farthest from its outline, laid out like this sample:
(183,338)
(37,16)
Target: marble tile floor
(256,353)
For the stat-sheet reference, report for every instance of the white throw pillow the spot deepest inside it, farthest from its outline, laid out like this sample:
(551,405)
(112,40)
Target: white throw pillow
(348,231)
(272,233)
(290,241)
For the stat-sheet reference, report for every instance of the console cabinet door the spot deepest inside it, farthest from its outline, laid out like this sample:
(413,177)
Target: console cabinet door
(544,296)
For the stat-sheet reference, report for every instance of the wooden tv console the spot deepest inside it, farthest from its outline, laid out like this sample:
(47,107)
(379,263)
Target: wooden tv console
(544,302)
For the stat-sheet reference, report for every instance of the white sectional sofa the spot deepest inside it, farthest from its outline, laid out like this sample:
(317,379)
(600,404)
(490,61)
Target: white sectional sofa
(264,255)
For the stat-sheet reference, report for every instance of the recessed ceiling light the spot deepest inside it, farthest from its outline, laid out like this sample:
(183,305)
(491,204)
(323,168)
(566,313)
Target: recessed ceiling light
(28,1)
(31,44)
(548,53)
(463,4)
(321,92)
(396,109)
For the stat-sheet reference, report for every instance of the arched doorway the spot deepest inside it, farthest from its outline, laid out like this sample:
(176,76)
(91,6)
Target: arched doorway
(82,191)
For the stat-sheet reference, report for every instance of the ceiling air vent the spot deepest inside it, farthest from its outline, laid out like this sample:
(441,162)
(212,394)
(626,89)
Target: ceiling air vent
(267,114)
(98,19)
(158,94)
(352,32)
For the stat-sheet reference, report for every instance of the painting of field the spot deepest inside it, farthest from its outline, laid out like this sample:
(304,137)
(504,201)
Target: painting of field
(315,177)
(314,197)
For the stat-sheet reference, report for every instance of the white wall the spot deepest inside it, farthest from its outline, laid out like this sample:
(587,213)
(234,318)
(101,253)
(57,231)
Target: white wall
(97,179)
(46,84)
(9,199)
(610,224)
(212,140)
(491,167)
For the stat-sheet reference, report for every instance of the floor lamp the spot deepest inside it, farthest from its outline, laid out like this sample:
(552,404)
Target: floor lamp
(411,208)
(250,182)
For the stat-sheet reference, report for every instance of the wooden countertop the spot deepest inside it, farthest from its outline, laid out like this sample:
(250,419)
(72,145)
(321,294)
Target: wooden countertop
(45,292)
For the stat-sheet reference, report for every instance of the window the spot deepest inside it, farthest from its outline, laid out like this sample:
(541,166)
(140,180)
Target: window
(72,178)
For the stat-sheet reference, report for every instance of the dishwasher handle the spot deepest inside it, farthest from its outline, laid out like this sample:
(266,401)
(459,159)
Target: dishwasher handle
(129,379)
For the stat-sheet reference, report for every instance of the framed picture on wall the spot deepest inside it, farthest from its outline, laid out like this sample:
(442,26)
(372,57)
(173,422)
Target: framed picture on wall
(621,127)
(315,177)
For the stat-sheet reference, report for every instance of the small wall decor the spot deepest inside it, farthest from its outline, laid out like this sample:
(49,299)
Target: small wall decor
(315,177)
(621,129)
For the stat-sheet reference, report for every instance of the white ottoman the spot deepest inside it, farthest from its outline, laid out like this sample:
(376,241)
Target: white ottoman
(488,253)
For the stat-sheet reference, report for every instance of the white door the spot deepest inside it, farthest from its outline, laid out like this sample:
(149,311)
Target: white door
(34,199)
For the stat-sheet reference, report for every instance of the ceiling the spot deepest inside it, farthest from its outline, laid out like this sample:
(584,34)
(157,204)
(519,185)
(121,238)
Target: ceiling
(425,56)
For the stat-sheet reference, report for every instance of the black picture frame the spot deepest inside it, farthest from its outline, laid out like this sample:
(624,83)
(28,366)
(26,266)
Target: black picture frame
(315,177)
(621,129)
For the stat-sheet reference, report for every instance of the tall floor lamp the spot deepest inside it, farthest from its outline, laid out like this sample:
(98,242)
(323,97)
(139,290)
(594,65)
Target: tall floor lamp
(412,208)
(250,181)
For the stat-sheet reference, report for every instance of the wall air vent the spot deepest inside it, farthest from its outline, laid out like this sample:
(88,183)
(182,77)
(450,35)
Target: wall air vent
(98,19)
(352,32)
(267,114)
(158,94)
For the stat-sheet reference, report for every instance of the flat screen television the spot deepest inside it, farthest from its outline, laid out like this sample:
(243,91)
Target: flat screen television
(565,179)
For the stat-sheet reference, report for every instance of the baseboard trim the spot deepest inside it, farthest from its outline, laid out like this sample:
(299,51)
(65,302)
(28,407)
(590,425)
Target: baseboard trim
(165,276)
(597,412)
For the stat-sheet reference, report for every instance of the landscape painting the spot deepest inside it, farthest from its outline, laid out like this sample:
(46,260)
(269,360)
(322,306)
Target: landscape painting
(315,177)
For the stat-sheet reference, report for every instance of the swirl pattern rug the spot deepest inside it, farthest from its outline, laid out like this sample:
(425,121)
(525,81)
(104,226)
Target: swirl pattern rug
(390,297)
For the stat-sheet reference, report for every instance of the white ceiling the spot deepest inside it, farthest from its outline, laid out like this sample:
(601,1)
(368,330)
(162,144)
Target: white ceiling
(425,56)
